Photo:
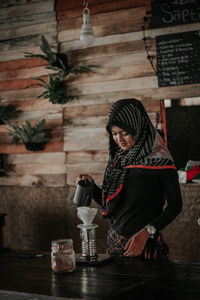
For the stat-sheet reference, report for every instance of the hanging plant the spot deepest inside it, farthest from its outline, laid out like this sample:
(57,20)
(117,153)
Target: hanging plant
(33,138)
(58,61)
(7,112)
(55,90)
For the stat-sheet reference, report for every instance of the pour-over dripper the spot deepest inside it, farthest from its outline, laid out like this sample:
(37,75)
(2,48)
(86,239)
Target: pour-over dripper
(86,214)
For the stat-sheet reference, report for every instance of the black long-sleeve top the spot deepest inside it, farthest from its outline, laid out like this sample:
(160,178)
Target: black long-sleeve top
(149,196)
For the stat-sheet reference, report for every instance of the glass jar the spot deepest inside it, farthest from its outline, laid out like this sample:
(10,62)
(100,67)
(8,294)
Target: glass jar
(62,256)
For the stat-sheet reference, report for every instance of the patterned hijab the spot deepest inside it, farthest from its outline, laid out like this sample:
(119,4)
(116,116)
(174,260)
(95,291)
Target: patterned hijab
(149,150)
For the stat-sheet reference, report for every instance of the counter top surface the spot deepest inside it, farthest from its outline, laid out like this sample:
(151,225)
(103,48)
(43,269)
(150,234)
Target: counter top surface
(29,277)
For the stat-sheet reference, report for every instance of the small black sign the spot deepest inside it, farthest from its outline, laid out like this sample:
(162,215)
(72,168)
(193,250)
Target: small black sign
(174,12)
(178,58)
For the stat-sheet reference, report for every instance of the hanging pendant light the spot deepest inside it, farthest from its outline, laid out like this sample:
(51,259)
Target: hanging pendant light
(87,33)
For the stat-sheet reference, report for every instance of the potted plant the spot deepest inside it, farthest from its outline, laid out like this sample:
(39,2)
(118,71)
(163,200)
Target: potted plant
(55,90)
(7,112)
(33,138)
(58,61)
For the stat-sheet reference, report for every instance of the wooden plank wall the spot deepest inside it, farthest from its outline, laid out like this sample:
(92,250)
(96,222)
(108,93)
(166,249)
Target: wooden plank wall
(79,140)
(21,27)
(123,71)
(119,65)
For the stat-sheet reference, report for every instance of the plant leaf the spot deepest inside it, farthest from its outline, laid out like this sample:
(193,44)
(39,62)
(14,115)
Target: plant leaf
(40,125)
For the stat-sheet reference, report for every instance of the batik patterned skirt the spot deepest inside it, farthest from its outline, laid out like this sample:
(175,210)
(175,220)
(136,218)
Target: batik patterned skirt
(155,249)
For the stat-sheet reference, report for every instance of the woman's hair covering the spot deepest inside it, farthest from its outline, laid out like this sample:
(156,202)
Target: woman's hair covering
(131,116)
(148,150)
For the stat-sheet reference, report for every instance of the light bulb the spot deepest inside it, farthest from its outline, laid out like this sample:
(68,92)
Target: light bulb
(87,33)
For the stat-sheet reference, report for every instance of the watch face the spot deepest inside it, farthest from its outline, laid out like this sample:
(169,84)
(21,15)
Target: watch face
(151,229)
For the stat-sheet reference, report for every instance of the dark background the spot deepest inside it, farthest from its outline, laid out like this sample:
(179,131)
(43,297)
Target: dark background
(183,133)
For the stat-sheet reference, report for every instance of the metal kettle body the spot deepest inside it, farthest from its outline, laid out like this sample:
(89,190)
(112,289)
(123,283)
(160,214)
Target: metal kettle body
(83,194)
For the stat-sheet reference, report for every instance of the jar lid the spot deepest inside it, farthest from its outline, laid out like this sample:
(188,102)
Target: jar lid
(62,244)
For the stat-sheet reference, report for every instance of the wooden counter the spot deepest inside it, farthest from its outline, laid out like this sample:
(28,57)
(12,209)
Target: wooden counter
(28,277)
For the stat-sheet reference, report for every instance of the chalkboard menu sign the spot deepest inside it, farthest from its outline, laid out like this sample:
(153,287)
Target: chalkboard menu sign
(178,58)
(174,12)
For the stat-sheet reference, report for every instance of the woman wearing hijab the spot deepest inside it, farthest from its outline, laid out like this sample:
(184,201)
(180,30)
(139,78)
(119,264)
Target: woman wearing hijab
(139,178)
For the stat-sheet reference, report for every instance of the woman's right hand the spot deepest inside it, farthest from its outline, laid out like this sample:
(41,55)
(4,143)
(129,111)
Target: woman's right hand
(83,177)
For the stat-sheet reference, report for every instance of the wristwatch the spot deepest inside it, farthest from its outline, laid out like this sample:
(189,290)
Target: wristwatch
(151,230)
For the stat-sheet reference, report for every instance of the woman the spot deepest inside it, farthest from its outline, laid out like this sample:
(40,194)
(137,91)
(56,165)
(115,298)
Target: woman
(139,177)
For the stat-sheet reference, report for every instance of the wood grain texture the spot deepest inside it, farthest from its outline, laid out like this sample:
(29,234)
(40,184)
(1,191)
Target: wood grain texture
(93,162)
(72,157)
(22,43)
(79,140)
(35,168)
(104,24)
(25,63)
(34,104)
(68,11)
(59,157)
(102,110)
(92,53)
(142,83)
(18,84)
(35,29)
(20,148)
(114,73)
(55,134)
(27,180)
(100,41)
(8,3)
(67,5)
(18,53)
(174,92)
(85,111)
(84,167)
(127,37)
(34,72)
(26,9)
(39,114)
(127,59)
(25,21)
(15,54)
(23,94)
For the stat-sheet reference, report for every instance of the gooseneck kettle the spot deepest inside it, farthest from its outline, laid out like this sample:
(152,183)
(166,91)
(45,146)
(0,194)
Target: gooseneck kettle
(83,194)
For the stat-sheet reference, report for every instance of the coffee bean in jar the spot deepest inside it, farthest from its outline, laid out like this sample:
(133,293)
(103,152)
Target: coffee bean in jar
(62,256)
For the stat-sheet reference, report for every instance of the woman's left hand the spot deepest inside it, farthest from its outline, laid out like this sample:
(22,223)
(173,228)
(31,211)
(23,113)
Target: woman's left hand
(136,243)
